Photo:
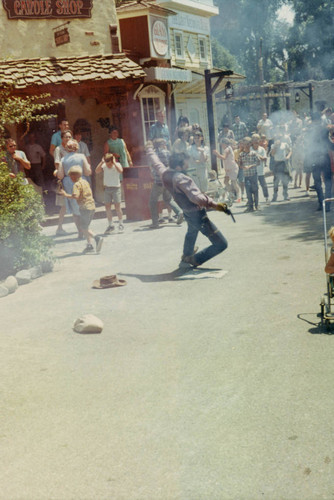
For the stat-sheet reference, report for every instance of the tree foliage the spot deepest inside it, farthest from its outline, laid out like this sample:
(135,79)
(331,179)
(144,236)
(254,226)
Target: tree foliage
(301,51)
(241,25)
(311,40)
(21,212)
(21,208)
(222,58)
(18,110)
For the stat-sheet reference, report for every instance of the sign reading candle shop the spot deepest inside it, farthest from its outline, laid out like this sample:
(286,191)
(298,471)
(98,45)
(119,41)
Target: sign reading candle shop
(47,9)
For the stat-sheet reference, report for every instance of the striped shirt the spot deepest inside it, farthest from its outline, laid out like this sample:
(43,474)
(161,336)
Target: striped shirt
(246,159)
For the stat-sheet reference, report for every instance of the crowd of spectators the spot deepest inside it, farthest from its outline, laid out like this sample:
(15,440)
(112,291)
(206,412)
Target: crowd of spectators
(284,146)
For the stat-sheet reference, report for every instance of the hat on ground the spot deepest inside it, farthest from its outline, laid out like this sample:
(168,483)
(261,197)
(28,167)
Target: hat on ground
(108,282)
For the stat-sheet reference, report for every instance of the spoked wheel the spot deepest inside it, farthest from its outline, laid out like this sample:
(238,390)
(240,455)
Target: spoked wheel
(322,310)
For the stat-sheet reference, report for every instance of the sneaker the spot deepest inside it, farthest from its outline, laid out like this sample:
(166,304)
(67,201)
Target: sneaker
(171,219)
(180,218)
(154,226)
(89,249)
(273,200)
(287,199)
(162,221)
(61,232)
(99,243)
(109,229)
(185,265)
(190,259)
(267,201)
(120,227)
(185,258)
(248,209)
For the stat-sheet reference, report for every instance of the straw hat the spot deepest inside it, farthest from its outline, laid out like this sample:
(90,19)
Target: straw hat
(108,282)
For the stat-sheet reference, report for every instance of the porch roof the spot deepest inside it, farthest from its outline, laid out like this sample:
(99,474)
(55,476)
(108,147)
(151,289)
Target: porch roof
(39,72)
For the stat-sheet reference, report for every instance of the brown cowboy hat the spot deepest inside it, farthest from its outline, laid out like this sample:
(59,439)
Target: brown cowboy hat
(108,282)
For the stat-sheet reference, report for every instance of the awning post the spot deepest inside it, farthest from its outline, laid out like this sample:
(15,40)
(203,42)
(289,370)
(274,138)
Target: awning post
(209,91)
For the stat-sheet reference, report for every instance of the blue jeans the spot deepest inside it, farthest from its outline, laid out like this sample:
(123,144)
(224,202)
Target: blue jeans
(199,221)
(263,184)
(322,166)
(282,177)
(252,190)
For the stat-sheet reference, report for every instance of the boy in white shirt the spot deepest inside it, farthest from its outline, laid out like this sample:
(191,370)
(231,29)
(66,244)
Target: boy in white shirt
(112,189)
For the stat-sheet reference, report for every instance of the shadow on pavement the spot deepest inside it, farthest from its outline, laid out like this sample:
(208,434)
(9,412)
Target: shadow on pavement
(300,213)
(318,328)
(172,276)
(74,254)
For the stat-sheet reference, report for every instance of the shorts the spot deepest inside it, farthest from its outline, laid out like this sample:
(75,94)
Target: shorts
(86,217)
(112,194)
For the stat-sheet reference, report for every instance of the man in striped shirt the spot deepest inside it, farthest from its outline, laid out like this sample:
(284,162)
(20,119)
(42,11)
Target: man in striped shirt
(249,162)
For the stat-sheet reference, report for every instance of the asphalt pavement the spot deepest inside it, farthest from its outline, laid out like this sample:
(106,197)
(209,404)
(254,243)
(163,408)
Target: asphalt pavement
(214,383)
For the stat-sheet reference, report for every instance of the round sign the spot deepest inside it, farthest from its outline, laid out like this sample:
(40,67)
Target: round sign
(160,38)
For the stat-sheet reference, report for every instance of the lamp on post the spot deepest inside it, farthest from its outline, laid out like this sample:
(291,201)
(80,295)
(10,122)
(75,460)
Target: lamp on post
(229,90)
(210,90)
(297,97)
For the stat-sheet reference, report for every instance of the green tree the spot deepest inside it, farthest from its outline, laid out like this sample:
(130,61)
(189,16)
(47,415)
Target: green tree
(241,25)
(21,208)
(311,41)
(222,58)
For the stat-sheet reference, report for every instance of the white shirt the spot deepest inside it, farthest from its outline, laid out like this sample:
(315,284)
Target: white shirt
(281,151)
(35,153)
(111,176)
(261,152)
(59,153)
(265,127)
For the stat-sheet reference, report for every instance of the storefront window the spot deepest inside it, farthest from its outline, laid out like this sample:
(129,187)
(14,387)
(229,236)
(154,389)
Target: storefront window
(151,99)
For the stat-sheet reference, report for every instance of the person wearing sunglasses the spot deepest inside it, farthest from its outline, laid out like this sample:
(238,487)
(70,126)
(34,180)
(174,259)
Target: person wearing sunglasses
(16,160)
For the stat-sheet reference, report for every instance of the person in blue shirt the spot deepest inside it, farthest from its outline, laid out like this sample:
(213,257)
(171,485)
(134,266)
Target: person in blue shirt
(159,129)
(56,137)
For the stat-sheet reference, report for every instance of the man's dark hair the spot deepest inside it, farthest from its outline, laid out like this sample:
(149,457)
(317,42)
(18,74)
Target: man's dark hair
(177,160)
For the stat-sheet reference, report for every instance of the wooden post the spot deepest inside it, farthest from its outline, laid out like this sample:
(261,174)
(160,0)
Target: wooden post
(209,91)
(211,122)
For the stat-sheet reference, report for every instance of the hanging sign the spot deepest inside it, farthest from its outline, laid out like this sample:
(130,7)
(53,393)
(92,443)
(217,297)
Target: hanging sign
(62,36)
(47,9)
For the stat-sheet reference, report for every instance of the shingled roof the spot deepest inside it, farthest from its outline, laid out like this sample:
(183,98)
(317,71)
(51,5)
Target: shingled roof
(23,73)
(139,5)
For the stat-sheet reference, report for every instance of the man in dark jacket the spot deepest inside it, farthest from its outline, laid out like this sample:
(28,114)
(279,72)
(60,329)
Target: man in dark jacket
(194,204)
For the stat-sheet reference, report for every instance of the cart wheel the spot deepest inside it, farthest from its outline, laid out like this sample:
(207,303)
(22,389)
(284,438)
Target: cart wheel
(322,309)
